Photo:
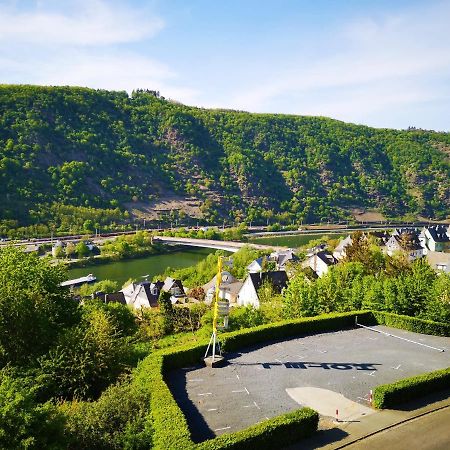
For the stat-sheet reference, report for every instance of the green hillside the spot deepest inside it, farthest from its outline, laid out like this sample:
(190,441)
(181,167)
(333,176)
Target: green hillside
(68,155)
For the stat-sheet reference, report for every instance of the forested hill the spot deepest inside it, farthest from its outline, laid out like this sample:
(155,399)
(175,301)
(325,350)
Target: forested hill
(67,154)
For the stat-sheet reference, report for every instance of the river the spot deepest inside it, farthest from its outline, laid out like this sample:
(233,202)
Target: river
(122,271)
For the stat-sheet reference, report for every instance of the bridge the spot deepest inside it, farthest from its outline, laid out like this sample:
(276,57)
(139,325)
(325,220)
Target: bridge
(229,246)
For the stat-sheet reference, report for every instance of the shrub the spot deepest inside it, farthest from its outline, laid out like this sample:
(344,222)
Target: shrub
(391,395)
(24,422)
(412,324)
(277,432)
(116,420)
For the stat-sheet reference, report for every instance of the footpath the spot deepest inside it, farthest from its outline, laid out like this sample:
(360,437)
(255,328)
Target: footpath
(384,424)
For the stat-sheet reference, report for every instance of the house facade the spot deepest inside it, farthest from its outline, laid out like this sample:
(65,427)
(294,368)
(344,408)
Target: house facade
(320,262)
(248,294)
(407,243)
(436,239)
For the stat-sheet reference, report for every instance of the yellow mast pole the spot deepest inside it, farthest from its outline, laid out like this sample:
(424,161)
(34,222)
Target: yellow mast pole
(216,311)
(216,297)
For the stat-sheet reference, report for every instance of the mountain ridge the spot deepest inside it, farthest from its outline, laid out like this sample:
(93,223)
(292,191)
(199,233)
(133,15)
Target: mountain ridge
(69,153)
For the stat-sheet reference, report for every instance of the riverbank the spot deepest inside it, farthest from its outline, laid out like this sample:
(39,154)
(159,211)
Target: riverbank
(151,265)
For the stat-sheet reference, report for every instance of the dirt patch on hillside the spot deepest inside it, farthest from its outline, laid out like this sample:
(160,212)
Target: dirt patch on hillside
(362,215)
(165,206)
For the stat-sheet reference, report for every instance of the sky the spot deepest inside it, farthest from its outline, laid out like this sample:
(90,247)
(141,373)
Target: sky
(374,62)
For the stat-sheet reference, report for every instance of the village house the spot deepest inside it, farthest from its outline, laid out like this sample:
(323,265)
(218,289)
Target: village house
(320,262)
(143,294)
(228,289)
(406,242)
(339,252)
(282,257)
(57,247)
(256,265)
(248,294)
(176,290)
(436,238)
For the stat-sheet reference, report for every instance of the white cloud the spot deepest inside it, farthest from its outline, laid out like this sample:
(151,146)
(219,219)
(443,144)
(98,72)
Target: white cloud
(385,61)
(78,47)
(91,23)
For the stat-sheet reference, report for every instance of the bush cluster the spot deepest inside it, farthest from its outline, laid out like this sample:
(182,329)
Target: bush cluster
(391,395)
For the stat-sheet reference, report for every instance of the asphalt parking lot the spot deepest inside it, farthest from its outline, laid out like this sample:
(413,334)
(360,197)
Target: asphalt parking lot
(262,382)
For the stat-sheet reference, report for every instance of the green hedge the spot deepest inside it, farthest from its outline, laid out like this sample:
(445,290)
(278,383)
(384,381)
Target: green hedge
(289,328)
(278,432)
(412,324)
(390,395)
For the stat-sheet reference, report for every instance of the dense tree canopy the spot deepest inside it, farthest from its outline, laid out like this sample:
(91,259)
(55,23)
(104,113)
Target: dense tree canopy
(73,157)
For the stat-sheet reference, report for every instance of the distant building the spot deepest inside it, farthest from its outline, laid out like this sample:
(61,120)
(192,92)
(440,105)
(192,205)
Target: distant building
(229,288)
(436,238)
(339,251)
(143,294)
(320,262)
(248,294)
(57,246)
(406,242)
(176,290)
(282,257)
(256,265)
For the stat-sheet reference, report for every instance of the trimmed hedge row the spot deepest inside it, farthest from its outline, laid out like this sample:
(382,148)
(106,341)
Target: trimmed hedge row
(278,432)
(390,395)
(411,323)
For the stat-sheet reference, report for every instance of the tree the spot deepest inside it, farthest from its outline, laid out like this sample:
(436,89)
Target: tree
(82,249)
(24,422)
(34,308)
(86,358)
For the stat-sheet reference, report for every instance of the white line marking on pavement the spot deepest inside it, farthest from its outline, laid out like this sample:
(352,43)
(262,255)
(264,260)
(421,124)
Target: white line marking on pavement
(221,429)
(237,376)
(246,390)
(240,390)
(196,379)
(206,393)
(212,409)
(256,405)
(396,368)
(371,374)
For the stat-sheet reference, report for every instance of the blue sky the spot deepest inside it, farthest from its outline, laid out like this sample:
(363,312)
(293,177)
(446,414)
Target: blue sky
(380,63)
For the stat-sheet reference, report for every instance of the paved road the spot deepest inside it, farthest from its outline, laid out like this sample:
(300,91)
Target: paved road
(429,432)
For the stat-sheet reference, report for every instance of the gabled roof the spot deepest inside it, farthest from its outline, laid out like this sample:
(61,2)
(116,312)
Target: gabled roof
(439,234)
(412,244)
(259,261)
(327,258)
(278,279)
(170,283)
(343,244)
(143,289)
